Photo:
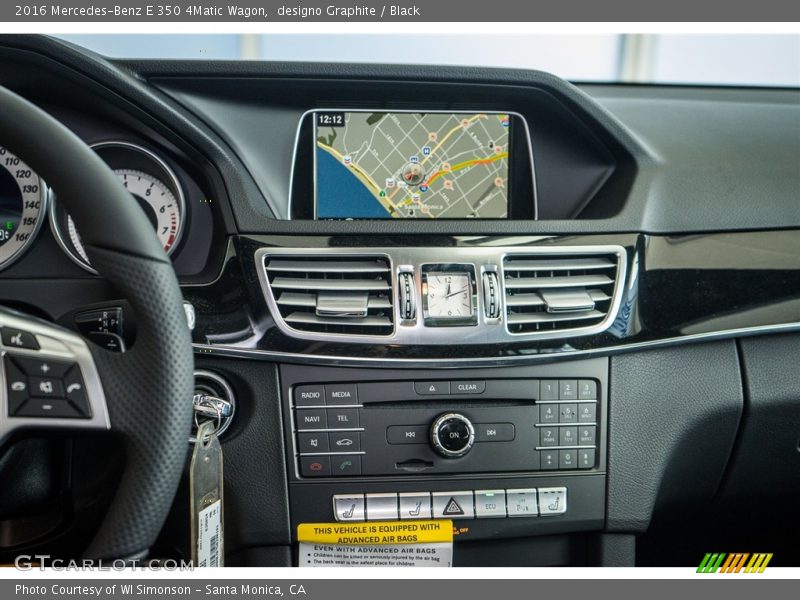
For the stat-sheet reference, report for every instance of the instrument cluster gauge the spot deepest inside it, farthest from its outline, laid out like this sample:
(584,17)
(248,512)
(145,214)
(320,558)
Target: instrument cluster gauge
(152,184)
(23,206)
(449,295)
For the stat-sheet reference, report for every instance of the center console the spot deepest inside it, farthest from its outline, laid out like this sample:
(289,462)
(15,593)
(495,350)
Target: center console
(503,452)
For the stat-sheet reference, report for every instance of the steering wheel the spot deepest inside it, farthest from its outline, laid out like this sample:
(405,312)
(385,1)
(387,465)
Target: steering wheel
(143,395)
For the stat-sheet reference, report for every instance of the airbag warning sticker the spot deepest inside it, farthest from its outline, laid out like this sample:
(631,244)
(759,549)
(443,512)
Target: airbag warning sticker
(378,544)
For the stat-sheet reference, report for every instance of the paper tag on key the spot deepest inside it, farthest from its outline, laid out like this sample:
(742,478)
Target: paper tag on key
(205,483)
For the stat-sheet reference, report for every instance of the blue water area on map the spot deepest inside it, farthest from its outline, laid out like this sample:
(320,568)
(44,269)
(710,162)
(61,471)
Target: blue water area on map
(341,195)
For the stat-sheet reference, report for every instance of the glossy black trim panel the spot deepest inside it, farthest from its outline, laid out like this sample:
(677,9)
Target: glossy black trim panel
(679,288)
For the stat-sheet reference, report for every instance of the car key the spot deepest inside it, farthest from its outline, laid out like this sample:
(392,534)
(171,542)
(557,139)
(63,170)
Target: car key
(205,483)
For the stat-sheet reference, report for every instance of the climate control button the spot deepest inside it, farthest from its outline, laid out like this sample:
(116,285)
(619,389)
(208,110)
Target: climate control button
(452,435)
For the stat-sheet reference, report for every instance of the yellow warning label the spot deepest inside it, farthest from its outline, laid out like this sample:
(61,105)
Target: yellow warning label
(376,533)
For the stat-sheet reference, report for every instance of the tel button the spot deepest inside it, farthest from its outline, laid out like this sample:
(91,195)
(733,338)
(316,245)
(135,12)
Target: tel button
(467,387)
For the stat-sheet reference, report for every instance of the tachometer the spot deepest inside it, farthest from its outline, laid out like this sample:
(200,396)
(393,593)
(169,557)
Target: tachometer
(23,200)
(151,183)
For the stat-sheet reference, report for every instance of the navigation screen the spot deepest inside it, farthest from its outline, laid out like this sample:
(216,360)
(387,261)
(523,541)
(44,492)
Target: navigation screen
(405,165)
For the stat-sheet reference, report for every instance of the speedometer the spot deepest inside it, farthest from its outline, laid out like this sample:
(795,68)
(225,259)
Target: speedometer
(23,199)
(152,184)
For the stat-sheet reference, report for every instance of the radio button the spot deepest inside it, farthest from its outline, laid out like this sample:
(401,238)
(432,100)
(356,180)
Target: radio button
(349,507)
(345,441)
(453,505)
(467,387)
(382,507)
(407,434)
(494,432)
(587,413)
(315,466)
(522,503)
(432,388)
(548,413)
(312,418)
(415,505)
(552,501)
(309,395)
(312,442)
(342,418)
(490,503)
(341,394)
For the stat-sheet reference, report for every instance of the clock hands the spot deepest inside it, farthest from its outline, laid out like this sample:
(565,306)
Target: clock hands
(448,295)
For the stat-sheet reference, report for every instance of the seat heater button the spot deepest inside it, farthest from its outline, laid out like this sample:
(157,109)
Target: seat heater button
(349,507)
(415,505)
(521,503)
(490,504)
(552,501)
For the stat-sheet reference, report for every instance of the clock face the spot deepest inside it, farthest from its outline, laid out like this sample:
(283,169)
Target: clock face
(449,295)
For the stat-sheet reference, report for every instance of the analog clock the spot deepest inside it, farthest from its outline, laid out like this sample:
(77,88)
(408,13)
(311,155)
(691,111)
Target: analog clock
(448,296)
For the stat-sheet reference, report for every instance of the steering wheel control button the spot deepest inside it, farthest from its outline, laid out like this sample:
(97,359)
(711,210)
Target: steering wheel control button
(568,389)
(490,504)
(315,466)
(46,387)
(75,390)
(552,501)
(308,443)
(494,432)
(467,387)
(432,388)
(586,459)
(345,465)
(43,407)
(382,507)
(407,434)
(312,418)
(453,505)
(343,394)
(17,338)
(309,395)
(342,418)
(16,386)
(452,435)
(522,503)
(587,389)
(349,507)
(345,441)
(587,413)
(415,505)
(37,367)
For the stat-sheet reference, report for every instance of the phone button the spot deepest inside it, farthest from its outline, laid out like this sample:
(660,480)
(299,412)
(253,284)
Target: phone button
(315,466)
(346,465)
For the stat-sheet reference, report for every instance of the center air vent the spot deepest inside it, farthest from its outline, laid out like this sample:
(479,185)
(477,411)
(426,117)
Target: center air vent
(552,292)
(333,294)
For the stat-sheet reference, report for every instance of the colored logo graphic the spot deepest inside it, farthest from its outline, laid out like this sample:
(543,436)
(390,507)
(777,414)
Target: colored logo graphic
(734,563)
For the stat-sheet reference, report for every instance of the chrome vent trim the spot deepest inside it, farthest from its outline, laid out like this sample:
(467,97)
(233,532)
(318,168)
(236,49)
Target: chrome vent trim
(332,295)
(351,294)
(560,293)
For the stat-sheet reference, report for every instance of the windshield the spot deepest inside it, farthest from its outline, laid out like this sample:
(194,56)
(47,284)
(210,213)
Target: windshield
(691,59)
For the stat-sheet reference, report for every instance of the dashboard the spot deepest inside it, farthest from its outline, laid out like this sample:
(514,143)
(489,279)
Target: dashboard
(479,294)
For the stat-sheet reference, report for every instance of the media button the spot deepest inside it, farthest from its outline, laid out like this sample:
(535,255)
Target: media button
(341,394)
(407,434)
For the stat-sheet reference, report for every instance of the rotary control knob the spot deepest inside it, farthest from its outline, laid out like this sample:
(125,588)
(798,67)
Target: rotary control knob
(452,435)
